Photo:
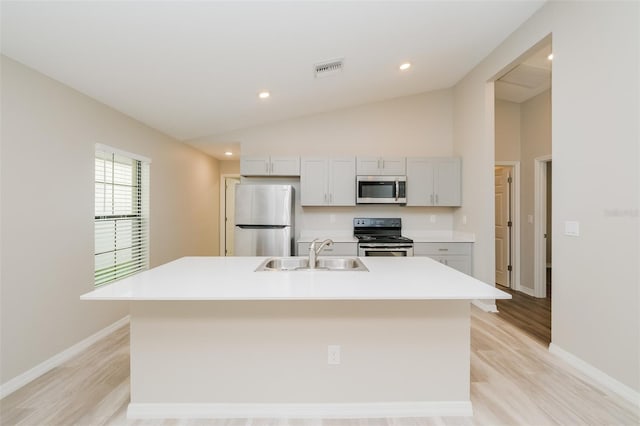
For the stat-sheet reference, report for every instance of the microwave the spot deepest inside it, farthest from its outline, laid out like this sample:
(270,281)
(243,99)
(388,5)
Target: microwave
(381,189)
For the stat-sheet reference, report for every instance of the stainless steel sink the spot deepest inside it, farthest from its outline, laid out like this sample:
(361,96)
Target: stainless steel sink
(302,264)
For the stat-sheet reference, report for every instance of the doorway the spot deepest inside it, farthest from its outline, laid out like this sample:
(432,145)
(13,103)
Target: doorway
(522,130)
(227,216)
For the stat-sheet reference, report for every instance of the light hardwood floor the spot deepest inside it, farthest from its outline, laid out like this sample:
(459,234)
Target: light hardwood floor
(514,381)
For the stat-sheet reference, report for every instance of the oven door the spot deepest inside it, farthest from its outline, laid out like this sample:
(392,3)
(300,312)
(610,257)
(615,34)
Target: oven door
(395,250)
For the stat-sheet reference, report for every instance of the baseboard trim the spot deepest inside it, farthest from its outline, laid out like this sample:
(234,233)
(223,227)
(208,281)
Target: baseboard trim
(598,376)
(487,307)
(28,376)
(527,291)
(300,411)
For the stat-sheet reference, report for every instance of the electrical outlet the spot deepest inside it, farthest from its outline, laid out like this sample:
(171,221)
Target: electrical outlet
(333,354)
(464,219)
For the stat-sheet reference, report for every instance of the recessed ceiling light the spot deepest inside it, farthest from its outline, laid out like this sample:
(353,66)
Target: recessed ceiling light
(405,66)
(550,57)
(264,95)
(228,153)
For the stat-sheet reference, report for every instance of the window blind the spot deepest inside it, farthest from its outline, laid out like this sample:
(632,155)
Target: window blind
(121,216)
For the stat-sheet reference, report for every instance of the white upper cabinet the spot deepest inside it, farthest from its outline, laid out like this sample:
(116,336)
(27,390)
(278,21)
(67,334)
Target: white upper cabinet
(381,166)
(433,182)
(269,166)
(328,181)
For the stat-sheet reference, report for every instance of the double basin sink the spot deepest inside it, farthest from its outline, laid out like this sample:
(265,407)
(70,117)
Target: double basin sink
(302,264)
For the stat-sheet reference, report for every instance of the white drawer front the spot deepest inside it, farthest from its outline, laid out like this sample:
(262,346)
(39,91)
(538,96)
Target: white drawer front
(432,249)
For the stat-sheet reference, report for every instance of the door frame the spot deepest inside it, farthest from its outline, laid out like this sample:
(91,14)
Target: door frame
(223,210)
(540,226)
(515,218)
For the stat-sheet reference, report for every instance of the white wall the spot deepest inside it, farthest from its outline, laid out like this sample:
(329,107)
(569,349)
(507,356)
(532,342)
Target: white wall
(419,125)
(48,136)
(595,109)
(507,125)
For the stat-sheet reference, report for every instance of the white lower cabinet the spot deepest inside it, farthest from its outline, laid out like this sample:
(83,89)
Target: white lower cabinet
(456,255)
(335,249)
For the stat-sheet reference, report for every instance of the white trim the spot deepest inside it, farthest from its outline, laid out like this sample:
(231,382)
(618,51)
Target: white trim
(297,410)
(540,225)
(598,376)
(528,291)
(28,376)
(223,212)
(515,218)
(486,306)
(112,150)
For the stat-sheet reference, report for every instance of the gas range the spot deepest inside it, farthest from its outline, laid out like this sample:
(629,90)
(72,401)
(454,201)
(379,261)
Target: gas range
(381,237)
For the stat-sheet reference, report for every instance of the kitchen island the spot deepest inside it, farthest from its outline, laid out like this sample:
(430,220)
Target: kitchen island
(210,337)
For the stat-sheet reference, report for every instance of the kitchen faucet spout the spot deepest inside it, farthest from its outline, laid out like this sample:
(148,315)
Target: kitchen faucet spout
(314,252)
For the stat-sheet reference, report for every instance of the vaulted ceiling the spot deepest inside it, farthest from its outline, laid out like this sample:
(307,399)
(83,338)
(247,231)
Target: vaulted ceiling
(193,69)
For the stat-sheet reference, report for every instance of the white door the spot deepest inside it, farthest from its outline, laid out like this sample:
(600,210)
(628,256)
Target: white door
(502,177)
(229,212)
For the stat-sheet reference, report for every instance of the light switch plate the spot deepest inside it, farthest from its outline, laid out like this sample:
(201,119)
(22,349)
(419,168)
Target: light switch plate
(572,228)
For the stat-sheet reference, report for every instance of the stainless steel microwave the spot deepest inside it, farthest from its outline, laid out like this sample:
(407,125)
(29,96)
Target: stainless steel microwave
(381,189)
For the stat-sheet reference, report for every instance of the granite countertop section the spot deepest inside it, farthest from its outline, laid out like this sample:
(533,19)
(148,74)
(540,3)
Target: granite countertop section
(234,278)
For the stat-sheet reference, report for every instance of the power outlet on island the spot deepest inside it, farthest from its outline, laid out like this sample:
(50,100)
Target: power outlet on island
(333,354)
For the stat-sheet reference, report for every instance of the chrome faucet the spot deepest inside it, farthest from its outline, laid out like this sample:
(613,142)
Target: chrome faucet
(314,252)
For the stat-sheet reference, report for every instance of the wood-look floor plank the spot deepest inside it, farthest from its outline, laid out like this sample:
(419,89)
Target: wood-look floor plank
(514,381)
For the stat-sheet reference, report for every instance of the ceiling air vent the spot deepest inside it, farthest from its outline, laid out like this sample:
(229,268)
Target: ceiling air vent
(327,68)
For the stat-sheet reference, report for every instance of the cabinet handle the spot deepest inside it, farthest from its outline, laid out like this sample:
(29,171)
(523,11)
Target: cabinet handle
(382,164)
(266,167)
(443,249)
(331,198)
(446,262)
(436,198)
(431,198)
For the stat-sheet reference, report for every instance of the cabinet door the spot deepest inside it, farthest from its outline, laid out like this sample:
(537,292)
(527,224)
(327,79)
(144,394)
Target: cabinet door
(285,166)
(313,182)
(254,166)
(419,182)
(342,181)
(447,182)
(393,166)
(369,166)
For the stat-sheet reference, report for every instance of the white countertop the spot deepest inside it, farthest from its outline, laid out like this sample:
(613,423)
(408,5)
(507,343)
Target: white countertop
(416,236)
(233,278)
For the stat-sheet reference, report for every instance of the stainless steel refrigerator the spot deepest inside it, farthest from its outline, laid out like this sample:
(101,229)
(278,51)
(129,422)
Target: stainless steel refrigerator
(264,220)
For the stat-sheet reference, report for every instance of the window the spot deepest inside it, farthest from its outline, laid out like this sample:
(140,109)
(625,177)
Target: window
(121,215)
